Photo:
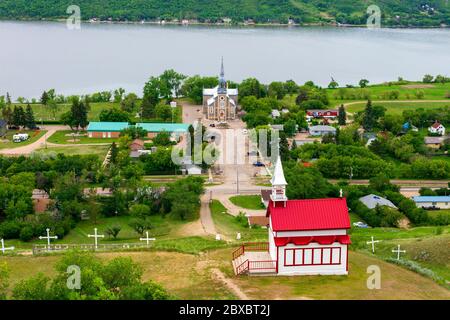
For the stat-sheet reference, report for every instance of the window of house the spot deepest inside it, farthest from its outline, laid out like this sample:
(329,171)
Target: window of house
(312,256)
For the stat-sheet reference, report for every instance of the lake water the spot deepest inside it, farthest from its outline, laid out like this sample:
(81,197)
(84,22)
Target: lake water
(35,56)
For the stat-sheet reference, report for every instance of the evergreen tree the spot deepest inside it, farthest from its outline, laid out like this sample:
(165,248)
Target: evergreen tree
(44,98)
(368,116)
(148,108)
(8,99)
(29,121)
(114,152)
(284,147)
(18,116)
(7,114)
(342,118)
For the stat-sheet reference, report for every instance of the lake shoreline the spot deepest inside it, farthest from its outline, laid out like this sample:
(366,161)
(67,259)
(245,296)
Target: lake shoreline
(228,25)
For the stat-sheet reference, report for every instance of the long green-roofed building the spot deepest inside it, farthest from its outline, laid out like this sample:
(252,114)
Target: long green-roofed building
(113,129)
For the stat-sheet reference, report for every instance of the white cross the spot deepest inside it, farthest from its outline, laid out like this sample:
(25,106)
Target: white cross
(398,251)
(373,244)
(238,236)
(3,248)
(147,239)
(96,236)
(48,237)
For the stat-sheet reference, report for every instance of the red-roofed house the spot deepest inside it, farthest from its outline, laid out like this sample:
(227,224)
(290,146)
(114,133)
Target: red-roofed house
(437,128)
(306,237)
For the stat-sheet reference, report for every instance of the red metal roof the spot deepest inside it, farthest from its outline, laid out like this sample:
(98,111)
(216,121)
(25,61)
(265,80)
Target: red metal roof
(301,241)
(436,125)
(310,214)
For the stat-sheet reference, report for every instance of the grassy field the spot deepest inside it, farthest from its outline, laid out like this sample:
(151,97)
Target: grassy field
(100,150)
(34,135)
(43,113)
(65,137)
(397,108)
(252,202)
(189,277)
(229,226)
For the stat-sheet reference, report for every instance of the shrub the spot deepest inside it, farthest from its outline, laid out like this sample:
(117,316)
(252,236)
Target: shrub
(27,233)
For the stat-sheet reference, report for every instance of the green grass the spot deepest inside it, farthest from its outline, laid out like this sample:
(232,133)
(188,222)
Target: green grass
(100,150)
(229,226)
(398,108)
(43,113)
(65,137)
(252,202)
(34,136)
(434,213)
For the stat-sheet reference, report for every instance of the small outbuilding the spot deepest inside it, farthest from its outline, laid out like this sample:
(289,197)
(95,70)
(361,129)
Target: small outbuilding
(437,128)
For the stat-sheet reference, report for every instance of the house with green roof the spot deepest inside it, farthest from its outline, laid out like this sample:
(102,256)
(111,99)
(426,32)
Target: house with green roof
(176,129)
(106,129)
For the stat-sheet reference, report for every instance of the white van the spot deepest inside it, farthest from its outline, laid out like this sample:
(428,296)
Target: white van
(20,137)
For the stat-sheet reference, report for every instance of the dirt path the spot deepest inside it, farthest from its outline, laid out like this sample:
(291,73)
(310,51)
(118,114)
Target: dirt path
(205,216)
(218,275)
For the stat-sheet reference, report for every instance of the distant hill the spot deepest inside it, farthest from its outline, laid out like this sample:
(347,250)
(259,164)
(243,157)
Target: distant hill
(394,12)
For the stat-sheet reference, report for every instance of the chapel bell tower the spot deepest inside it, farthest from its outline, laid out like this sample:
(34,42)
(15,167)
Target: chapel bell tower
(279,184)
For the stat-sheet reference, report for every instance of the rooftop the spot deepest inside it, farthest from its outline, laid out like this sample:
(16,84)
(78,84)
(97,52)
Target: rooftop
(372,200)
(431,199)
(310,214)
(107,126)
(322,128)
(158,127)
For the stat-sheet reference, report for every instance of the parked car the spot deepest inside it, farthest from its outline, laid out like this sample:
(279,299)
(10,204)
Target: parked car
(360,224)
(212,125)
(258,164)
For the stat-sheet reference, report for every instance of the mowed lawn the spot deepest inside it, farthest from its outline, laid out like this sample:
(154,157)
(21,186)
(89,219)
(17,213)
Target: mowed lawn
(252,202)
(66,137)
(397,108)
(228,225)
(34,136)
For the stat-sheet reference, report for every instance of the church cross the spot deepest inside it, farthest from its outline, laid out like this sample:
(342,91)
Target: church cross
(3,248)
(96,236)
(373,243)
(48,237)
(398,251)
(147,239)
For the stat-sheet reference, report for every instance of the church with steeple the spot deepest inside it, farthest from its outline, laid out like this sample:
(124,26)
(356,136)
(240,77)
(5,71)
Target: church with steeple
(305,236)
(220,103)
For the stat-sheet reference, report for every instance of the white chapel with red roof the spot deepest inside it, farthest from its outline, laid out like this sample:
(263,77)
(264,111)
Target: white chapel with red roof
(306,237)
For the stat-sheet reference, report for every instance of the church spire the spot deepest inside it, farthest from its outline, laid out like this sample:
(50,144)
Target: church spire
(278,184)
(222,81)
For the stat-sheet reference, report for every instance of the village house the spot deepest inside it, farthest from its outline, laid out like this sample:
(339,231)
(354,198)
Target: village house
(137,144)
(321,130)
(434,142)
(432,202)
(305,237)
(41,200)
(437,128)
(105,129)
(319,114)
(371,201)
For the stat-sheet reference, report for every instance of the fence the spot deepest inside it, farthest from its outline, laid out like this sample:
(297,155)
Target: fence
(43,248)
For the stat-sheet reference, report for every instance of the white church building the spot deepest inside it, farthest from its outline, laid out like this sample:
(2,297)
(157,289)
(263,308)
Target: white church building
(305,237)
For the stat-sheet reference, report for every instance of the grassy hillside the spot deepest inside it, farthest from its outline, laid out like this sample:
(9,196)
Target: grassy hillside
(395,12)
